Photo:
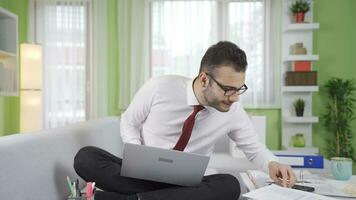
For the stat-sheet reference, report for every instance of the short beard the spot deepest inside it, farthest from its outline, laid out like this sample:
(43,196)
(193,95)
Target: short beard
(214,102)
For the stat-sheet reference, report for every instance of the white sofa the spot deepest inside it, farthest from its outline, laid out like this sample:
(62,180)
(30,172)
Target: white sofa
(35,165)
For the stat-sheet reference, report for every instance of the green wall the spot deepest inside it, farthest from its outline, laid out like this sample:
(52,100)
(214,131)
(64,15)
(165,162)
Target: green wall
(335,42)
(9,106)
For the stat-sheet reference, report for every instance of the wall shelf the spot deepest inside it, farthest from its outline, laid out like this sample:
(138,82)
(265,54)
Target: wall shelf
(304,119)
(300,88)
(301,58)
(9,83)
(302,26)
(305,150)
(5,54)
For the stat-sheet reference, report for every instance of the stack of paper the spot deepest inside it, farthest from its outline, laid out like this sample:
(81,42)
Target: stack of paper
(273,192)
(322,185)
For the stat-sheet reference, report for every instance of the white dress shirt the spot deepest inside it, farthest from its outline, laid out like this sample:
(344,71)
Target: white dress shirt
(156,115)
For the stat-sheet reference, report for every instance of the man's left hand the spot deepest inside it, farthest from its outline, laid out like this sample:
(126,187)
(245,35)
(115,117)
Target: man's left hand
(281,174)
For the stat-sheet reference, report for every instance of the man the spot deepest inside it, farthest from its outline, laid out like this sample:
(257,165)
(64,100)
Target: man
(157,116)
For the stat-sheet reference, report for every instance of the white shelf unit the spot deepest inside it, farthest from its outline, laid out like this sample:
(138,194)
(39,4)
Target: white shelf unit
(291,124)
(9,83)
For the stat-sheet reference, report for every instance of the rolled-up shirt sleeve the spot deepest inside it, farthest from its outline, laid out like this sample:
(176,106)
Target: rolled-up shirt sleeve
(137,112)
(246,139)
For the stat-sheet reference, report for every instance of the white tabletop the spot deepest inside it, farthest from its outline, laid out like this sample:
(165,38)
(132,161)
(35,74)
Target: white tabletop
(247,185)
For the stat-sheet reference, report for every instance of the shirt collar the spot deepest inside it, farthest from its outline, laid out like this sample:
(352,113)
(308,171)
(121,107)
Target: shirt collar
(191,98)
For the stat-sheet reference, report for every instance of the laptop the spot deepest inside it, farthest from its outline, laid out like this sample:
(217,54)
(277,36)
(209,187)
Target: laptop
(163,165)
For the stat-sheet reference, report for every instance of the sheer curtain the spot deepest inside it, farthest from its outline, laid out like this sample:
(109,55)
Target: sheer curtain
(133,48)
(181,31)
(62,29)
(253,26)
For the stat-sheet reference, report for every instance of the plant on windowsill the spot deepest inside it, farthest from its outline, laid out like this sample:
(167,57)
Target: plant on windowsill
(338,116)
(299,105)
(299,8)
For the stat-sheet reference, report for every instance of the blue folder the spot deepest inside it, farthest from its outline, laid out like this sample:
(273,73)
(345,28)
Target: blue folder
(302,161)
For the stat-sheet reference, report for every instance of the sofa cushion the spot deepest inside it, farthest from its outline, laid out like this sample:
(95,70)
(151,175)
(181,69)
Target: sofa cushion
(35,165)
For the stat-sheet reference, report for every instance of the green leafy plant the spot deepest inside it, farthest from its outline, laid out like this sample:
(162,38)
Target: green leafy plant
(300,6)
(299,104)
(338,116)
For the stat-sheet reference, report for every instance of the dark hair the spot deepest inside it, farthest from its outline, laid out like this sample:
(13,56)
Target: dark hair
(223,53)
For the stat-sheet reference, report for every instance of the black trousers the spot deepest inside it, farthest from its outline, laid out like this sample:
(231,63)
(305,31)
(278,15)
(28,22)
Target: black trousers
(99,166)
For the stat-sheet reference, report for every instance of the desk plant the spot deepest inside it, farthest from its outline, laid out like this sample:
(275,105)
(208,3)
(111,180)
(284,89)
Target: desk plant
(338,117)
(299,105)
(299,8)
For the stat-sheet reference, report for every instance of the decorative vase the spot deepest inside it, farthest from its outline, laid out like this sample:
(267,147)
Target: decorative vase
(299,17)
(341,168)
(299,112)
(298,140)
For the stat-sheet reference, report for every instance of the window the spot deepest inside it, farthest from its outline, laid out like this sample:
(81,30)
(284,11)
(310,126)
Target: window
(181,31)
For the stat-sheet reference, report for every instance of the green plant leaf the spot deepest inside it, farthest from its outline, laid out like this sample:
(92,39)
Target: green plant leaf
(338,117)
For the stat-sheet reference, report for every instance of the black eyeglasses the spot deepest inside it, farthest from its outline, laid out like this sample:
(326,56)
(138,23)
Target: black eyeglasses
(229,90)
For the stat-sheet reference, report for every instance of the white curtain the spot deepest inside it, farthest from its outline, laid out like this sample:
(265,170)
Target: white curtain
(133,45)
(181,32)
(63,31)
(253,26)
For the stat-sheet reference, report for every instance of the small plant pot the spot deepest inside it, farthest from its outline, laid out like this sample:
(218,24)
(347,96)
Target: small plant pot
(299,17)
(341,168)
(298,140)
(299,112)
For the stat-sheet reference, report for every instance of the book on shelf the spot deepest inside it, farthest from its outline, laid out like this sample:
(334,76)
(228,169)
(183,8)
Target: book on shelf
(301,78)
(301,66)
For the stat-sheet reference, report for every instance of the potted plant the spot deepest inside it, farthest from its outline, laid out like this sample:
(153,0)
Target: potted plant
(299,105)
(299,8)
(338,116)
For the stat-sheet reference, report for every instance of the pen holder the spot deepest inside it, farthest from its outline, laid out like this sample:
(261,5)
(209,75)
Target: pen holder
(82,197)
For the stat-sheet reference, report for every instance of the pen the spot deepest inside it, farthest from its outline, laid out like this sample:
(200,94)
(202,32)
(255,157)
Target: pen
(70,186)
(89,190)
(283,179)
(270,182)
(77,188)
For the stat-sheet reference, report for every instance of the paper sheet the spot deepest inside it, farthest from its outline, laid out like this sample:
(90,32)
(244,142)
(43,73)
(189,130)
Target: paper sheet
(273,192)
(323,186)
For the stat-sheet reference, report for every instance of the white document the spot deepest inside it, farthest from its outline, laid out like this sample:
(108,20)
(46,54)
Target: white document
(323,186)
(275,192)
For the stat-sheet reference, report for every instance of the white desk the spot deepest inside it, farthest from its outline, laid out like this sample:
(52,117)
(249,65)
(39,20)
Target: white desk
(247,185)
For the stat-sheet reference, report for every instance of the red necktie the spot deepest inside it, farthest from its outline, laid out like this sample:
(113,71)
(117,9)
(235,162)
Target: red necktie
(187,129)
